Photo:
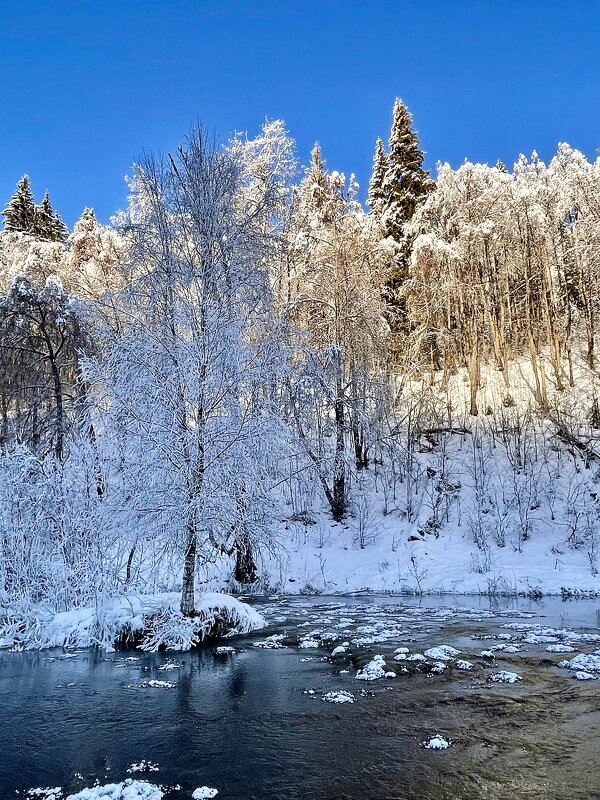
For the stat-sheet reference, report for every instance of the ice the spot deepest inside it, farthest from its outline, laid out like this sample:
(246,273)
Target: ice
(204,793)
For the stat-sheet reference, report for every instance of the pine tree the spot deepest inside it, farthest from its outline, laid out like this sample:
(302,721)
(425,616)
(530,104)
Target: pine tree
(405,182)
(20,213)
(376,196)
(47,223)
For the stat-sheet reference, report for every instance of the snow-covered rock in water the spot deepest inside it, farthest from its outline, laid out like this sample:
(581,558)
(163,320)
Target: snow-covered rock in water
(401,651)
(204,793)
(442,652)
(438,667)
(48,793)
(390,674)
(271,642)
(586,662)
(339,697)
(504,676)
(127,790)
(436,742)
(416,657)
(340,650)
(308,644)
(487,654)
(224,651)
(560,648)
(142,766)
(463,664)
(372,671)
(585,676)
(154,684)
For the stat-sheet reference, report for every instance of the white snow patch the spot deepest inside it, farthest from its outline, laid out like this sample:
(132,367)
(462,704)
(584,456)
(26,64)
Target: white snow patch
(127,790)
(372,671)
(504,676)
(442,652)
(339,697)
(436,742)
(204,793)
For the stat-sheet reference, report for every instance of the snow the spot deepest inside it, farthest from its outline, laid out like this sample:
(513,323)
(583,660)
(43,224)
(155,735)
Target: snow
(372,671)
(101,626)
(442,652)
(504,676)
(339,697)
(143,766)
(154,684)
(437,742)
(204,793)
(126,790)
(560,648)
(589,662)
(585,676)
(48,793)
(463,664)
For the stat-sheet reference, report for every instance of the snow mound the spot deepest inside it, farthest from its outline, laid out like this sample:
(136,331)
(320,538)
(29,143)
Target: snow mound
(339,697)
(438,667)
(442,652)
(504,676)
(204,793)
(463,664)
(127,790)
(560,648)
(372,671)
(584,662)
(585,676)
(436,742)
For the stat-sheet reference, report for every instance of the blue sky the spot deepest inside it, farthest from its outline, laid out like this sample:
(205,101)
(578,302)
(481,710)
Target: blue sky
(87,86)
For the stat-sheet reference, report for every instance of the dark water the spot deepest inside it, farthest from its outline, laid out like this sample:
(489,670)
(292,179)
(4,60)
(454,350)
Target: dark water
(244,724)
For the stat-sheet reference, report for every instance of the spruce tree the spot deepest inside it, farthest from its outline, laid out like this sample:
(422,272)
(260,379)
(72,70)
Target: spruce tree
(404,185)
(405,182)
(376,198)
(47,223)
(20,213)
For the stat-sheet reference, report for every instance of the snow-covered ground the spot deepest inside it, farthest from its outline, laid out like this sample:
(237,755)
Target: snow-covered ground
(154,617)
(498,503)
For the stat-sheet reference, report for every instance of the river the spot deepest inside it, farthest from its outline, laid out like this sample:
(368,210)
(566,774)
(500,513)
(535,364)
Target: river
(253,722)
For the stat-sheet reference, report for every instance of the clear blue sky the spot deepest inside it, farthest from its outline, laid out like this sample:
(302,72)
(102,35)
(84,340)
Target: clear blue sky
(87,86)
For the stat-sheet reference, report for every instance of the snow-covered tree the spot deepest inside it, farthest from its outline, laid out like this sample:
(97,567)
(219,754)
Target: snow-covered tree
(189,379)
(20,212)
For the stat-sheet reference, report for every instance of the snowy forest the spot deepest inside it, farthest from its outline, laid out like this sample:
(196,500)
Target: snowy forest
(250,380)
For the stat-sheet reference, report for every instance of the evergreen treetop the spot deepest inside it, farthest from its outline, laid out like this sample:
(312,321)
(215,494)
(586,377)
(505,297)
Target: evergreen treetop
(20,212)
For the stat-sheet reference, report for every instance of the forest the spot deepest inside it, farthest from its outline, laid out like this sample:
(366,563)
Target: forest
(250,380)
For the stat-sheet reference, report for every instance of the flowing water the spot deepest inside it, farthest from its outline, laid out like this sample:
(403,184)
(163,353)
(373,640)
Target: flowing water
(253,723)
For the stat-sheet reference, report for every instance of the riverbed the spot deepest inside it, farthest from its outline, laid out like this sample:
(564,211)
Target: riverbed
(279,716)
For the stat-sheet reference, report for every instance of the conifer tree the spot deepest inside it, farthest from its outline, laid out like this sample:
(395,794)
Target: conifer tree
(47,223)
(20,213)
(405,183)
(376,196)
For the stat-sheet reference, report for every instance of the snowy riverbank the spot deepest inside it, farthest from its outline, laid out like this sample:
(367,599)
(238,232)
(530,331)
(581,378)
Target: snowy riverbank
(151,621)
